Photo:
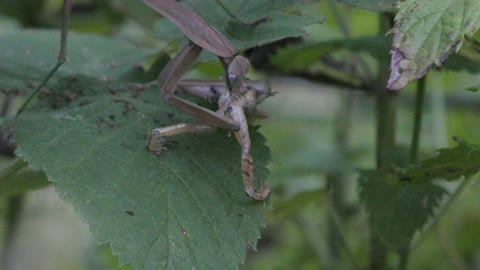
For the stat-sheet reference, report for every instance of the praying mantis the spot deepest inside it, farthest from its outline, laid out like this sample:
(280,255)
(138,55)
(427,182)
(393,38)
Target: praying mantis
(237,96)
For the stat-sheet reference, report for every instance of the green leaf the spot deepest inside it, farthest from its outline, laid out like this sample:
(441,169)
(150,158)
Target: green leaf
(473,88)
(396,212)
(25,180)
(449,164)
(373,5)
(277,25)
(426,33)
(185,209)
(27,56)
(16,178)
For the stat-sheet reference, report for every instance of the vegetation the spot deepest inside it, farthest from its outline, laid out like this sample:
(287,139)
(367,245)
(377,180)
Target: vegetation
(372,145)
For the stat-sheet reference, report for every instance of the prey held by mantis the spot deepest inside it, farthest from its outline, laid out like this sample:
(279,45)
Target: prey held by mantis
(237,97)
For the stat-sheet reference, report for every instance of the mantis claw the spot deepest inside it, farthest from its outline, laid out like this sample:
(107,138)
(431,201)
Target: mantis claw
(158,138)
(157,142)
(261,194)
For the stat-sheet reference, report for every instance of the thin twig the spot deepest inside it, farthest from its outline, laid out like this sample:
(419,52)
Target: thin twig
(417,120)
(61,56)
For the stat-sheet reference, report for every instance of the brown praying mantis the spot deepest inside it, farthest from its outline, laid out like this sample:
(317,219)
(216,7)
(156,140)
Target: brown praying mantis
(237,97)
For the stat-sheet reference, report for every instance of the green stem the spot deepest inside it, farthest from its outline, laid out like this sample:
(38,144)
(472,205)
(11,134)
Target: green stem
(418,120)
(403,260)
(61,56)
(386,126)
(11,168)
(335,218)
(385,107)
(12,217)
(385,139)
(14,206)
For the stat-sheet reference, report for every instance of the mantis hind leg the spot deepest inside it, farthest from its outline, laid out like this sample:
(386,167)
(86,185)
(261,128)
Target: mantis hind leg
(157,141)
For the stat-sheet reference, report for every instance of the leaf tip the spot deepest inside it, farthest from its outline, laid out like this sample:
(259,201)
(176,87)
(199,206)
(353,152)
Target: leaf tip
(396,80)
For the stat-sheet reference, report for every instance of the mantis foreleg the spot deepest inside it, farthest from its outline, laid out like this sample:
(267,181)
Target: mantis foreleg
(194,27)
(248,174)
(168,79)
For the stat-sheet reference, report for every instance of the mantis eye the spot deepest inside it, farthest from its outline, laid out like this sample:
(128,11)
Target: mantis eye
(237,70)
(232,77)
(234,81)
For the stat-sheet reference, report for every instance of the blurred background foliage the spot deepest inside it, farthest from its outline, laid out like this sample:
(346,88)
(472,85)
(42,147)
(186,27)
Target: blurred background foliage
(320,132)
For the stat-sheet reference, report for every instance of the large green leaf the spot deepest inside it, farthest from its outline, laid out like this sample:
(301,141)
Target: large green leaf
(449,164)
(396,212)
(27,56)
(373,5)
(426,33)
(185,209)
(276,26)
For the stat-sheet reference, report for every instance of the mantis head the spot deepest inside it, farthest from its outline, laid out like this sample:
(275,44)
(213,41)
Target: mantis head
(236,72)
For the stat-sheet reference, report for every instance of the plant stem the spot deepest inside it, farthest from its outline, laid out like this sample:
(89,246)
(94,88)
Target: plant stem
(335,219)
(61,56)
(403,260)
(417,125)
(11,168)
(385,139)
(14,206)
(12,217)
(385,106)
